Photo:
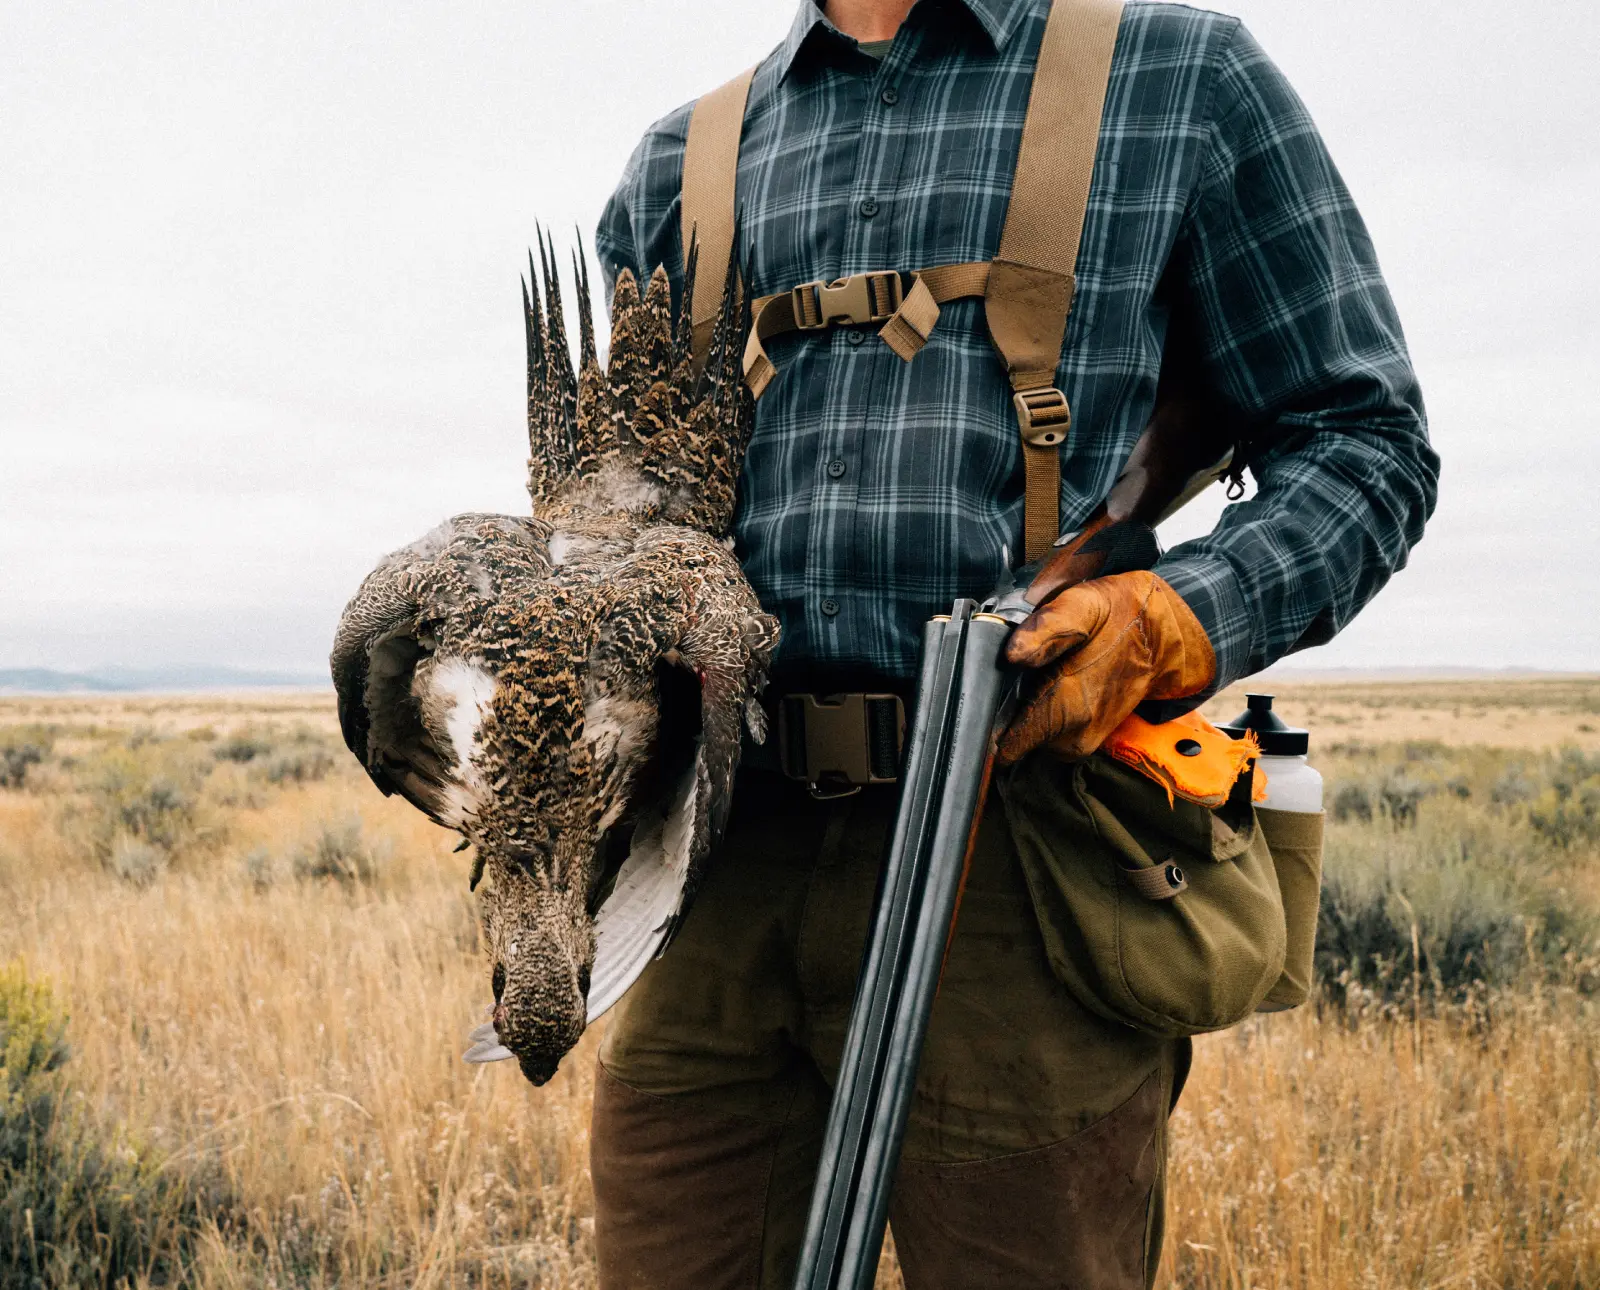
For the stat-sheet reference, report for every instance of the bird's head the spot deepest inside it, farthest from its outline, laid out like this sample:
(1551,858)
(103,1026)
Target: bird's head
(540,942)
(587,857)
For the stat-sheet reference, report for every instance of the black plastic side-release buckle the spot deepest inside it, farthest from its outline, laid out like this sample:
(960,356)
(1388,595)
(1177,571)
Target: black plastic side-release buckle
(848,740)
(859,300)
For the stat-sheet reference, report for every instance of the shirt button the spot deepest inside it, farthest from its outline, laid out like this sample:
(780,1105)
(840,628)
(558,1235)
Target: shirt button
(890,96)
(830,607)
(856,335)
(869,208)
(836,469)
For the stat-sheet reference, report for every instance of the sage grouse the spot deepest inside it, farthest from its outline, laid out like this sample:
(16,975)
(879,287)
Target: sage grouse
(567,689)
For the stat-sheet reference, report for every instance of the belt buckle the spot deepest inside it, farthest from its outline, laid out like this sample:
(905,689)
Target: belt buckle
(858,300)
(829,740)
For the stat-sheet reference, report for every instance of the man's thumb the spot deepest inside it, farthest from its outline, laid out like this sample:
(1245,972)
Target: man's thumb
(1059,627)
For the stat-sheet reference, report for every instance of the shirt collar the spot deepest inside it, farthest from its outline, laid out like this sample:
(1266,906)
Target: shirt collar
(998,19)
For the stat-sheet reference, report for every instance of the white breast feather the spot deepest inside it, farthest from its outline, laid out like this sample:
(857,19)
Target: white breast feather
(469,688)
(561,546)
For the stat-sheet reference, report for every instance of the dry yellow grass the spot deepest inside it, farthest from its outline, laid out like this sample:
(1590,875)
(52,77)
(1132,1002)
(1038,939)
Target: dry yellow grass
(1306,1154)
(301,1041)
(306,1040)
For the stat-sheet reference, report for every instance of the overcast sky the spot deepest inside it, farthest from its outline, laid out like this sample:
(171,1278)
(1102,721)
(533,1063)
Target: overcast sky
(259,317)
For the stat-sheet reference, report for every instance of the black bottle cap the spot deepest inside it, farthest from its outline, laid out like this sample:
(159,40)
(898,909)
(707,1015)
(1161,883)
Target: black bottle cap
(1277,739)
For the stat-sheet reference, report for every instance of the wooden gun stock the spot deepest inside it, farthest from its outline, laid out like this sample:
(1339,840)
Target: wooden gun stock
(1177,457)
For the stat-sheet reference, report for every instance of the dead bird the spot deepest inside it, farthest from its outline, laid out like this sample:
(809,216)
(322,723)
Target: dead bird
(567,689)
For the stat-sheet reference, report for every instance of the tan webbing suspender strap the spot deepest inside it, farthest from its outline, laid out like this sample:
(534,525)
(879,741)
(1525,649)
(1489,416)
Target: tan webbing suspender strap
(710,171)
(1031,282)
(1027,289)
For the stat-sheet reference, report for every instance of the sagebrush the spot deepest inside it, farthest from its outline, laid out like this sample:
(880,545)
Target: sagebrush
(81,1203)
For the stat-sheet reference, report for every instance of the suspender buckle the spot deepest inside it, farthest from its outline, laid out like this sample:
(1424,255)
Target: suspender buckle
(857,300)
(1043,415)
(841,739)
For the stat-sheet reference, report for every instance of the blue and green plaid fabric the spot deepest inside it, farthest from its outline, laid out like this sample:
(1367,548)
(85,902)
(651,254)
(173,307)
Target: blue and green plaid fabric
(876,491)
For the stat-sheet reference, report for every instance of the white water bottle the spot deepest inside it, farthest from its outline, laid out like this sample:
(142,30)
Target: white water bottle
(1292,783)
(1291,822)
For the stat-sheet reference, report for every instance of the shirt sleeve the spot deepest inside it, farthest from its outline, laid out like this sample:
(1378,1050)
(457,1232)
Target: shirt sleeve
(639,227)
(613,238)
(1298,345)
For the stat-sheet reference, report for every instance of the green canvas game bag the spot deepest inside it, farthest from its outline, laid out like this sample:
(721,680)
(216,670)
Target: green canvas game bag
(1156,911)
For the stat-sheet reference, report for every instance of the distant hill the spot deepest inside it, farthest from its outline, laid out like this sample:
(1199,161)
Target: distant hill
(178,677)
(1309,672)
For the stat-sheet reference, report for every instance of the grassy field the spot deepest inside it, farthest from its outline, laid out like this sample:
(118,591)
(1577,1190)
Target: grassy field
(240,980)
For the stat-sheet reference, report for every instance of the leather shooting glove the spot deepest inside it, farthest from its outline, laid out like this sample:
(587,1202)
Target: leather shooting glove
(1104,646)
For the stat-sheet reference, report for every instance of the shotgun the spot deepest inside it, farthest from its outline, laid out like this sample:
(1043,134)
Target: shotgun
(965,698)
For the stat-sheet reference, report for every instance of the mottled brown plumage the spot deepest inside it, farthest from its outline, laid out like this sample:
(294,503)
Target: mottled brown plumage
(568,689)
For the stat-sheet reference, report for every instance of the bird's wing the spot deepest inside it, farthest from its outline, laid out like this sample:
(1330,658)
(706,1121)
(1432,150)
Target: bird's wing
(410,705)
(634,923)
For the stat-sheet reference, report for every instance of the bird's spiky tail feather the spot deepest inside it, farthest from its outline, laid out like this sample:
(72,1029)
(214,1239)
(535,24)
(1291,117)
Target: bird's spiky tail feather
(682,427)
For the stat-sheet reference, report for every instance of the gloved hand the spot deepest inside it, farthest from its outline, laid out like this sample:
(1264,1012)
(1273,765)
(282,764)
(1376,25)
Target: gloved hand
(1109,644)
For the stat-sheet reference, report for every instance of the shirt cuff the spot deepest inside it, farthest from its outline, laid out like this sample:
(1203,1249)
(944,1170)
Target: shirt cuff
(1209,587)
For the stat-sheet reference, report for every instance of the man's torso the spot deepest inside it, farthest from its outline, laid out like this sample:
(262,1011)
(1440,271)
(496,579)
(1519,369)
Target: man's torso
(876,490)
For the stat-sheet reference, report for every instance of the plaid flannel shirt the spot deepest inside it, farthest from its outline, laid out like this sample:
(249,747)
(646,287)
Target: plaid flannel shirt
(875,490)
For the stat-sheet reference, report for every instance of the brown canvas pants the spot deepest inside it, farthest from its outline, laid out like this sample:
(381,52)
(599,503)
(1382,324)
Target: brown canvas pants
(1036,1150)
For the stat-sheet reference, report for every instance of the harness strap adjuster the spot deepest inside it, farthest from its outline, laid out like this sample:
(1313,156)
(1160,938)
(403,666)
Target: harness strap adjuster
(1043,416)
(858,300)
